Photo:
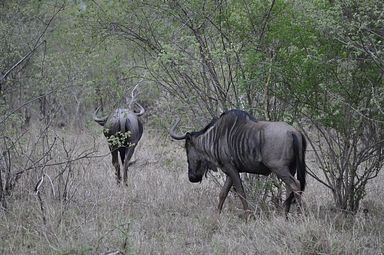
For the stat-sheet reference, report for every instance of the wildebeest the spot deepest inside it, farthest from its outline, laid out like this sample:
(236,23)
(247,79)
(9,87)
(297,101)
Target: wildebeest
(123,130)
(236,142)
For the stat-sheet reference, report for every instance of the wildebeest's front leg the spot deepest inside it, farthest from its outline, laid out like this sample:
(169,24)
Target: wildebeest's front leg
(224,192)
(235,176)
(128,155)
(116,164)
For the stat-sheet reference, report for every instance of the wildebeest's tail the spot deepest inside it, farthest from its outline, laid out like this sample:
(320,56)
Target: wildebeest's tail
(299,147)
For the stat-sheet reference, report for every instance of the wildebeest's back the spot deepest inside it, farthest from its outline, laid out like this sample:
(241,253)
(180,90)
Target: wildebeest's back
(122,121)
(248,144)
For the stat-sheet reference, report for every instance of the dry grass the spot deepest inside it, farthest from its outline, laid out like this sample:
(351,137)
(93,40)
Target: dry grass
(160,212)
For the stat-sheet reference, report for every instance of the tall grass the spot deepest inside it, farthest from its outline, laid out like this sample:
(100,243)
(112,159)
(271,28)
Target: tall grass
(160,212)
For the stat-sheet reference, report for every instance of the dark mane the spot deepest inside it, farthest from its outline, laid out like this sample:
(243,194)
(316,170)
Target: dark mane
(234,113)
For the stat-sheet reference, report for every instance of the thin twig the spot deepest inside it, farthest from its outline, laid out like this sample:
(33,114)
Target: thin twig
(36,45)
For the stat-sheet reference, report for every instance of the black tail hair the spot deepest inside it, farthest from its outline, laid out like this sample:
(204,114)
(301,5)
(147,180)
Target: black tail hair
(300,159)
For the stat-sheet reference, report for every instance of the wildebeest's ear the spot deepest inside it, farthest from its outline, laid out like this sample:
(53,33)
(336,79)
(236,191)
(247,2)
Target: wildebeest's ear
(188,136)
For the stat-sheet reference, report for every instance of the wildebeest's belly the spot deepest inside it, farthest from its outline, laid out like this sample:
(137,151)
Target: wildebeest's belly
(254,168)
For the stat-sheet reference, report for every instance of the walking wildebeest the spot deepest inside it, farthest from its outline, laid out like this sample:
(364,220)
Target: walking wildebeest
(123,130)
(236,142)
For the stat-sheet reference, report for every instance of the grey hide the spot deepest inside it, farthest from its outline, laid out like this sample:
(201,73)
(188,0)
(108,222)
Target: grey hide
(123,130)
(236,142)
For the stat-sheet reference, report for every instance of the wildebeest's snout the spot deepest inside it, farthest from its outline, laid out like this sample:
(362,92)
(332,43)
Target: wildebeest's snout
(194,178)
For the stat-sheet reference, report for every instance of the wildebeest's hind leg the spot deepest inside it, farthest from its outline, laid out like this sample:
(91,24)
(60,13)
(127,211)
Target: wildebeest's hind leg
(128,155)
(289,194)
(288,201)
(292,185)
(116,164)
(122,154)
(224,192)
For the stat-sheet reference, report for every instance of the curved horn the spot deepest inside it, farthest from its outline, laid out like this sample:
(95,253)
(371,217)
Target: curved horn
(142,110)
(173,133)
(100,120)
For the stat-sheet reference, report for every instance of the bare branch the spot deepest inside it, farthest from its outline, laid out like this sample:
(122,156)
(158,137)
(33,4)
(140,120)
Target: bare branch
(37,44)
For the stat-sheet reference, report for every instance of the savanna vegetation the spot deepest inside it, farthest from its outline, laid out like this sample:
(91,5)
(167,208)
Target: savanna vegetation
(317,65)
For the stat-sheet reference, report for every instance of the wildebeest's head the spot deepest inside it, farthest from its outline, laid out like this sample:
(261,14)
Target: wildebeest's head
(198,165)
(116,115)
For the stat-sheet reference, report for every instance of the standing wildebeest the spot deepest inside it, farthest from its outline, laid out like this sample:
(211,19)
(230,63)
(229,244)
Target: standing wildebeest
(236,142)
(123,130)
